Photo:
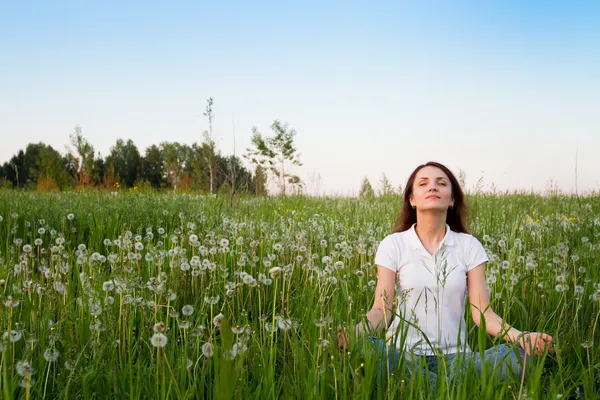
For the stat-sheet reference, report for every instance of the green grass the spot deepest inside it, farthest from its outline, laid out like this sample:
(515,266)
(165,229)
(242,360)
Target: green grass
(104,338)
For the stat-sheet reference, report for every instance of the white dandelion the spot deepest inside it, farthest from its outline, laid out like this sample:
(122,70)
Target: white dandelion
(208,350)
(187,310)
(158,340)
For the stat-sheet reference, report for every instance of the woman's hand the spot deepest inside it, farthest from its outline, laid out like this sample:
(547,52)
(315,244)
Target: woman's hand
(536,343)
(342,339)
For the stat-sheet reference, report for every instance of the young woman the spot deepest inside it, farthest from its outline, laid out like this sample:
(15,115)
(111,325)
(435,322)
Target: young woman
(433,262)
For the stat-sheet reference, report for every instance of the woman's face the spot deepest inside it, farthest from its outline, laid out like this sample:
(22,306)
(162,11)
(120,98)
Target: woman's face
(432,190)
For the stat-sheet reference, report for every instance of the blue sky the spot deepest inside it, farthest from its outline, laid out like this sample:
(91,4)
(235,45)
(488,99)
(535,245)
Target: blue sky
(509,92)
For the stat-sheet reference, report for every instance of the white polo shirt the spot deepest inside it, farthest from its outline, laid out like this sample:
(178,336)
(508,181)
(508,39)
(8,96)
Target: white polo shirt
(430,290)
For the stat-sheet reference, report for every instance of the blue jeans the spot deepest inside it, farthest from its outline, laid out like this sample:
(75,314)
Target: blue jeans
(502,360)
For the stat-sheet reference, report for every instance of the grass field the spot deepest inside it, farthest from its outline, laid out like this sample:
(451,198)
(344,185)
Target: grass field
(137,296)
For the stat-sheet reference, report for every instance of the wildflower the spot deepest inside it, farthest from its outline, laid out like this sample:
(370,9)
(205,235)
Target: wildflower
(96,326)
(25,369)
(587,344)
(207,350)
(27,248)
(51,355)
(269,327)
(211,300)
(187,310)
(14,336)
(284,324)
(60,287)
(218,320)
(70,216)
(159,327)
(505,264)
(38,242)
(11,302)
(184,325)
(560,288)
(158,340)
(277,247)
(275,272)
(579,289)
(108,286)
(224,243)
(237,329)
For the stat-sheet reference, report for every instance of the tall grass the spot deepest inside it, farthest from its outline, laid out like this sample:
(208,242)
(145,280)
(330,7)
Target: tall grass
(179,296)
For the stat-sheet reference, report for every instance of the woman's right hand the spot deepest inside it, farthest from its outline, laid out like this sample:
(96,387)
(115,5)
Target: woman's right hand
(342,338)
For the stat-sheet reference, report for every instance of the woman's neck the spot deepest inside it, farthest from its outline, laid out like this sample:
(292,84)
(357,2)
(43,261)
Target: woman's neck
(430,228)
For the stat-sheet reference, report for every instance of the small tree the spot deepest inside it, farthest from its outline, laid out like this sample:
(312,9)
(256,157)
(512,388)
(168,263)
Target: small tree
(366,190)
(275,153)
(210,144)
(259,181)
(386,186)
(86,156)
(462,179)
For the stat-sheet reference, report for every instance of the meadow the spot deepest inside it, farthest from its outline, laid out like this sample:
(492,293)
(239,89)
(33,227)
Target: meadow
(178,296)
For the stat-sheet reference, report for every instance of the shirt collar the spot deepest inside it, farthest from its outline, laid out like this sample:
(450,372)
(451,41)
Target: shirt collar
(448,239)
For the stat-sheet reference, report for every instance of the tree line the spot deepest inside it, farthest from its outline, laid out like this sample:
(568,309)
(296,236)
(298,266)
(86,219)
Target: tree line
(169,165)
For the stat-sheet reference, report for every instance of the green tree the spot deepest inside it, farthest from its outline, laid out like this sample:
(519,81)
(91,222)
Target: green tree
(259,181)
(98,169)
(386,187)
(86,156)
(366,190)
(275,153)
(51,172)
(174,155)
(126,160)
(14,169)
(153,167)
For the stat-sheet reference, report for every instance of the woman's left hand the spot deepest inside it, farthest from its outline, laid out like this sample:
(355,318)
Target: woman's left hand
(536,343)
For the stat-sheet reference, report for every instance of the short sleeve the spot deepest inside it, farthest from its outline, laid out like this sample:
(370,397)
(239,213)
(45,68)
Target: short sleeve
(475,254)
(387,254)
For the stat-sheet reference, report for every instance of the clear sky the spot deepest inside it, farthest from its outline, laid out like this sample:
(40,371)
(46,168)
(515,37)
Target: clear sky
(508,91)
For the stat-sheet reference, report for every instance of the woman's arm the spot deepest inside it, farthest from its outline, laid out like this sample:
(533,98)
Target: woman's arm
(479,299)
(381,313)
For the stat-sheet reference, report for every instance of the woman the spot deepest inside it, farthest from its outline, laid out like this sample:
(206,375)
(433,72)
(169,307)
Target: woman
(434,261)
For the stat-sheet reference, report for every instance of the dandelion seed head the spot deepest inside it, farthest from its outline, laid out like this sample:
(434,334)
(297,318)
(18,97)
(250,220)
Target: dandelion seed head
(51,355)
(158,340)
(207,350)
(24,369)
(187,310)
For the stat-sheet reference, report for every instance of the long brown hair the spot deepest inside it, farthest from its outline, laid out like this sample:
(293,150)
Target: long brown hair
(454,218)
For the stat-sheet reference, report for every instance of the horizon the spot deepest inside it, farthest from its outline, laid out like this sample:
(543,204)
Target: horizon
(508,92)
